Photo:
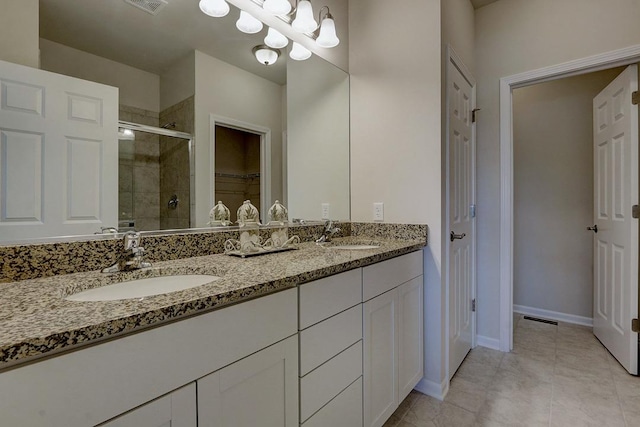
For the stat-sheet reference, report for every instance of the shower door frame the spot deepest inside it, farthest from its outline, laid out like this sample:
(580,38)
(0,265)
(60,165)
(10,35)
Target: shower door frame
(175,134)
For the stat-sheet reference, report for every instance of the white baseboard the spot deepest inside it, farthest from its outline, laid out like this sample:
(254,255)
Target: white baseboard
(491,343)
(433,389)
(553,315)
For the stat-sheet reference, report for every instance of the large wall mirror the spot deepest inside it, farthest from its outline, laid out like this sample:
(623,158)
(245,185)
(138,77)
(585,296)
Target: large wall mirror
(201,119)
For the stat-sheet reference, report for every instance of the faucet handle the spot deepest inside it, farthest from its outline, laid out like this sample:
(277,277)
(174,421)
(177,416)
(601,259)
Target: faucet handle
(131,240)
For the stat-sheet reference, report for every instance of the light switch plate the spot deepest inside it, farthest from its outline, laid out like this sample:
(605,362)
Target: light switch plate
(378,211)
(325,211)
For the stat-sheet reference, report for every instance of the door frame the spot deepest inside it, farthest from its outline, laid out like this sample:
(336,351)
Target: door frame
(612,59)
(265,158)
(454,60)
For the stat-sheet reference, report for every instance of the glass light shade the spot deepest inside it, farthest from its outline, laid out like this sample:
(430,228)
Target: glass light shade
(299,52)
(327,37)
(126,134)
(275,39)
(266,55)
(215,8)
(304,22)
(277,7)
(248,24)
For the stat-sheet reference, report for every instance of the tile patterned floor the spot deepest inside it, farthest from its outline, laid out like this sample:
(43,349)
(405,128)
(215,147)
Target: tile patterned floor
(558,376)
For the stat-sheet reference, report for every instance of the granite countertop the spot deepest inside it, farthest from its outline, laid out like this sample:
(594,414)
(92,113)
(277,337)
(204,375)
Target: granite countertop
(36,320)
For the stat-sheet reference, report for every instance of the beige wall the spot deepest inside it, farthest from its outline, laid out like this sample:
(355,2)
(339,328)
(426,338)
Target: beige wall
(138,88)
(19,32)
(553,193)
(458,30)
(318,139)
(227,91)
(178,82)
(394,62)
(514,36)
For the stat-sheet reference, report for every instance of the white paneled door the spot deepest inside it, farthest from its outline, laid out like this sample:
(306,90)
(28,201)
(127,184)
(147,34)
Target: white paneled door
(615,302)
(58,154)
(461,218)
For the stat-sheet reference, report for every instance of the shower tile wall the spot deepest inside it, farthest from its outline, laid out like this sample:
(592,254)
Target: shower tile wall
(139,174)
(174,166)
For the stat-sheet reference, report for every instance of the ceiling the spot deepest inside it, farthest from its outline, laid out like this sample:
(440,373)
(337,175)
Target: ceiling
(118,31)
(477,4)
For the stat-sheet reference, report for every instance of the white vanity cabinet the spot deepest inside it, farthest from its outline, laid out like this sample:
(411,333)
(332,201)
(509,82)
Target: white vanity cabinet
(176,409)
(139,374)
(259,390)
(331,351)
(393,337)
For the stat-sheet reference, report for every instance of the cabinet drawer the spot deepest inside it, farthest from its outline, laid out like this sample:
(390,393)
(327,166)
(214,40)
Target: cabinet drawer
(386,275)
(324,340)
(323,298)
(320,386)
(343,411)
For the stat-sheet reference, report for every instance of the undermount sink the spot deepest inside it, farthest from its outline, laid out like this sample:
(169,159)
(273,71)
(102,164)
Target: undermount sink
(143,287)
(352,247)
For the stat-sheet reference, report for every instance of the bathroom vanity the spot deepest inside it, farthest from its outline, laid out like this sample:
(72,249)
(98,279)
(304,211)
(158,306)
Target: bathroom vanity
(312,337)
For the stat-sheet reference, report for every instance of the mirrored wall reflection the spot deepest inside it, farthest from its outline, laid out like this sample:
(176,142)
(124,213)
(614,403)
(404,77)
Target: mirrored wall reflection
(237,168)
(154,178)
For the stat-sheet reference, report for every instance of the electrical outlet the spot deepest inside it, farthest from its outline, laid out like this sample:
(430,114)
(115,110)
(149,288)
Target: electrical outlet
(378,211)
(325,211)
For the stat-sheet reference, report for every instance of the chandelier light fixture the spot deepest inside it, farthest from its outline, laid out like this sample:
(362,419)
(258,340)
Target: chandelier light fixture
(327,37)
(301,19)
(277,7)
(275,39)
(215,8)
(248,24)
(299,52)
(265,54)
(304,21)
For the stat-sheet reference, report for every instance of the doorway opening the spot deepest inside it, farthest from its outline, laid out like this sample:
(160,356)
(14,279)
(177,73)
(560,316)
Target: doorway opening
(553,197)
(240,164)
(608,60)
(237,168)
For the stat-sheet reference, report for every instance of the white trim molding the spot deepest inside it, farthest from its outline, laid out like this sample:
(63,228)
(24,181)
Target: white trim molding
(590,64)
(492,343)
(553,315)
(433,389)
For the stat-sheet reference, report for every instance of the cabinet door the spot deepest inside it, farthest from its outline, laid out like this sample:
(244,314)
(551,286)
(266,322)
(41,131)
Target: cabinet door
(176,409)
(410,336)
(380,353)
(259,390)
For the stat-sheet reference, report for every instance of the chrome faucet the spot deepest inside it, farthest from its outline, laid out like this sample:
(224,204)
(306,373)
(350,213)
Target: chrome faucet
(107,230)
(132,256)
(329,231)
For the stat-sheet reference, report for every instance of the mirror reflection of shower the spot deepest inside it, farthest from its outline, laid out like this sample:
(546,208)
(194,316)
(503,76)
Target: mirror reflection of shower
(154,177)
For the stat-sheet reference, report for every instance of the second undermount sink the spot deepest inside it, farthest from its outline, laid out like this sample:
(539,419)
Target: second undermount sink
(354,247)
(143,287)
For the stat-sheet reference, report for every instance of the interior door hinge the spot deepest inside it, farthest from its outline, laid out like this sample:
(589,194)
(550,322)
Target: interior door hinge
(635,98)
(635,325)
(473,114)
(473,305)
(635,211)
